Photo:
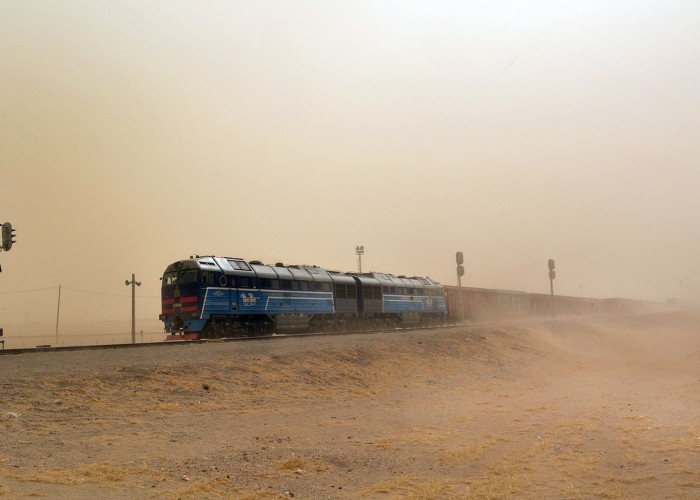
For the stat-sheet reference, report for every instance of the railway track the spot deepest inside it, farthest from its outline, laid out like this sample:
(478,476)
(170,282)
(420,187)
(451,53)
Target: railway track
(175,343)
(275,336)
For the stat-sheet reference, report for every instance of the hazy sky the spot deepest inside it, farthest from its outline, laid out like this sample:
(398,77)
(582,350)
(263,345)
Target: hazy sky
(134,134)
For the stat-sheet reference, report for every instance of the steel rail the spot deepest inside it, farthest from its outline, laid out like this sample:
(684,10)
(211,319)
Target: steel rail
(275,336)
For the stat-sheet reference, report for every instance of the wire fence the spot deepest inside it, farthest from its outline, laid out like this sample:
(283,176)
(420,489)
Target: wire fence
(91,292)
(77,317)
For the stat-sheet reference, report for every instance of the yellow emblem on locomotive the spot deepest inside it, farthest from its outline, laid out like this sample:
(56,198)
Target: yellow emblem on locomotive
(249,300)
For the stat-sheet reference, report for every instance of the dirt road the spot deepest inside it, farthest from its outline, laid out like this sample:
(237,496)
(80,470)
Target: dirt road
(606,407)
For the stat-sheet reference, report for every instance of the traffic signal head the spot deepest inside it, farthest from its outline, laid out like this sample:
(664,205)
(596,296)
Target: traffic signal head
(7,236)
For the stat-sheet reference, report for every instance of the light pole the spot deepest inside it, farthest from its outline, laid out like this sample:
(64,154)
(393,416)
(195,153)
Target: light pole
(684,283)
(360,251)
(680,282)
(689,283)
(133,284)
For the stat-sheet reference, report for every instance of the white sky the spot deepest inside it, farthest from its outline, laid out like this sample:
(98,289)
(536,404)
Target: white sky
(134,134)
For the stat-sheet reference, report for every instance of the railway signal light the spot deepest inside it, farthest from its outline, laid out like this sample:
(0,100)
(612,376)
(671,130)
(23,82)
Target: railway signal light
(460,272)
(7,236)
(552,275)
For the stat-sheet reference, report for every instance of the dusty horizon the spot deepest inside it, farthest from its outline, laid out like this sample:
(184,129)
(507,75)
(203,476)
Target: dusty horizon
(135,135)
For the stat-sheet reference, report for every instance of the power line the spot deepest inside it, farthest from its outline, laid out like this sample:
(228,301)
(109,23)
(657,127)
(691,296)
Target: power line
(91,292)
(109,294)
(28,291)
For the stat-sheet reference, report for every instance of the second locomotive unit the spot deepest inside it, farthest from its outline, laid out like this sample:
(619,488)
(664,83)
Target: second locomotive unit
(215,297)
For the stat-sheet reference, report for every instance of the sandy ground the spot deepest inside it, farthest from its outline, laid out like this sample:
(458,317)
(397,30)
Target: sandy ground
(606,407)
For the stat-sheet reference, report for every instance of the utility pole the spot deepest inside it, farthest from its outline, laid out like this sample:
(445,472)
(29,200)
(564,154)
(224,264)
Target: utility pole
(58,312)
(360,251)
(133,284)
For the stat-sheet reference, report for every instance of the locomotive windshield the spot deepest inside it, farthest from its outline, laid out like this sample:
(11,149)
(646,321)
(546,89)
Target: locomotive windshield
(180,277)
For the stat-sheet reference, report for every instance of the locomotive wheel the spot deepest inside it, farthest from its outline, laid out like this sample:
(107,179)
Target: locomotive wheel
(316,325)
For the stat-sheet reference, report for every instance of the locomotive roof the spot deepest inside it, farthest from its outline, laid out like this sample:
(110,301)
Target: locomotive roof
(235,265)
(342,278)
(414,282)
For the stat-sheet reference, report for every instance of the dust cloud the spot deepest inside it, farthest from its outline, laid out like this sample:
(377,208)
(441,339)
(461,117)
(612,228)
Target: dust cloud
(590,407)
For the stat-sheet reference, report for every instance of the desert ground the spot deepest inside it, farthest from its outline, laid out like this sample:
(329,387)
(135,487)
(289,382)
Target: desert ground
(577,408)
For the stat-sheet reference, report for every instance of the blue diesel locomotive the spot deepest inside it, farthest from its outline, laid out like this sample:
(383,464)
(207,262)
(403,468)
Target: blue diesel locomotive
(215,297)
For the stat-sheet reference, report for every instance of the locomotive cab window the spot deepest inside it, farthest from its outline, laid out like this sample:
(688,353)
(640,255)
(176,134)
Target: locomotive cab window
(189,276)
(181,278)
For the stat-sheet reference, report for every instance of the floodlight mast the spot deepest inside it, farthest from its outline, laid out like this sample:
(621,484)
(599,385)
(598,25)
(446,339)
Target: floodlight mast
(360,251)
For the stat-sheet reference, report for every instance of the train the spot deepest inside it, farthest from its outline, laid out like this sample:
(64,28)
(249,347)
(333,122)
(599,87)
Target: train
(481,304)
(209,297)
